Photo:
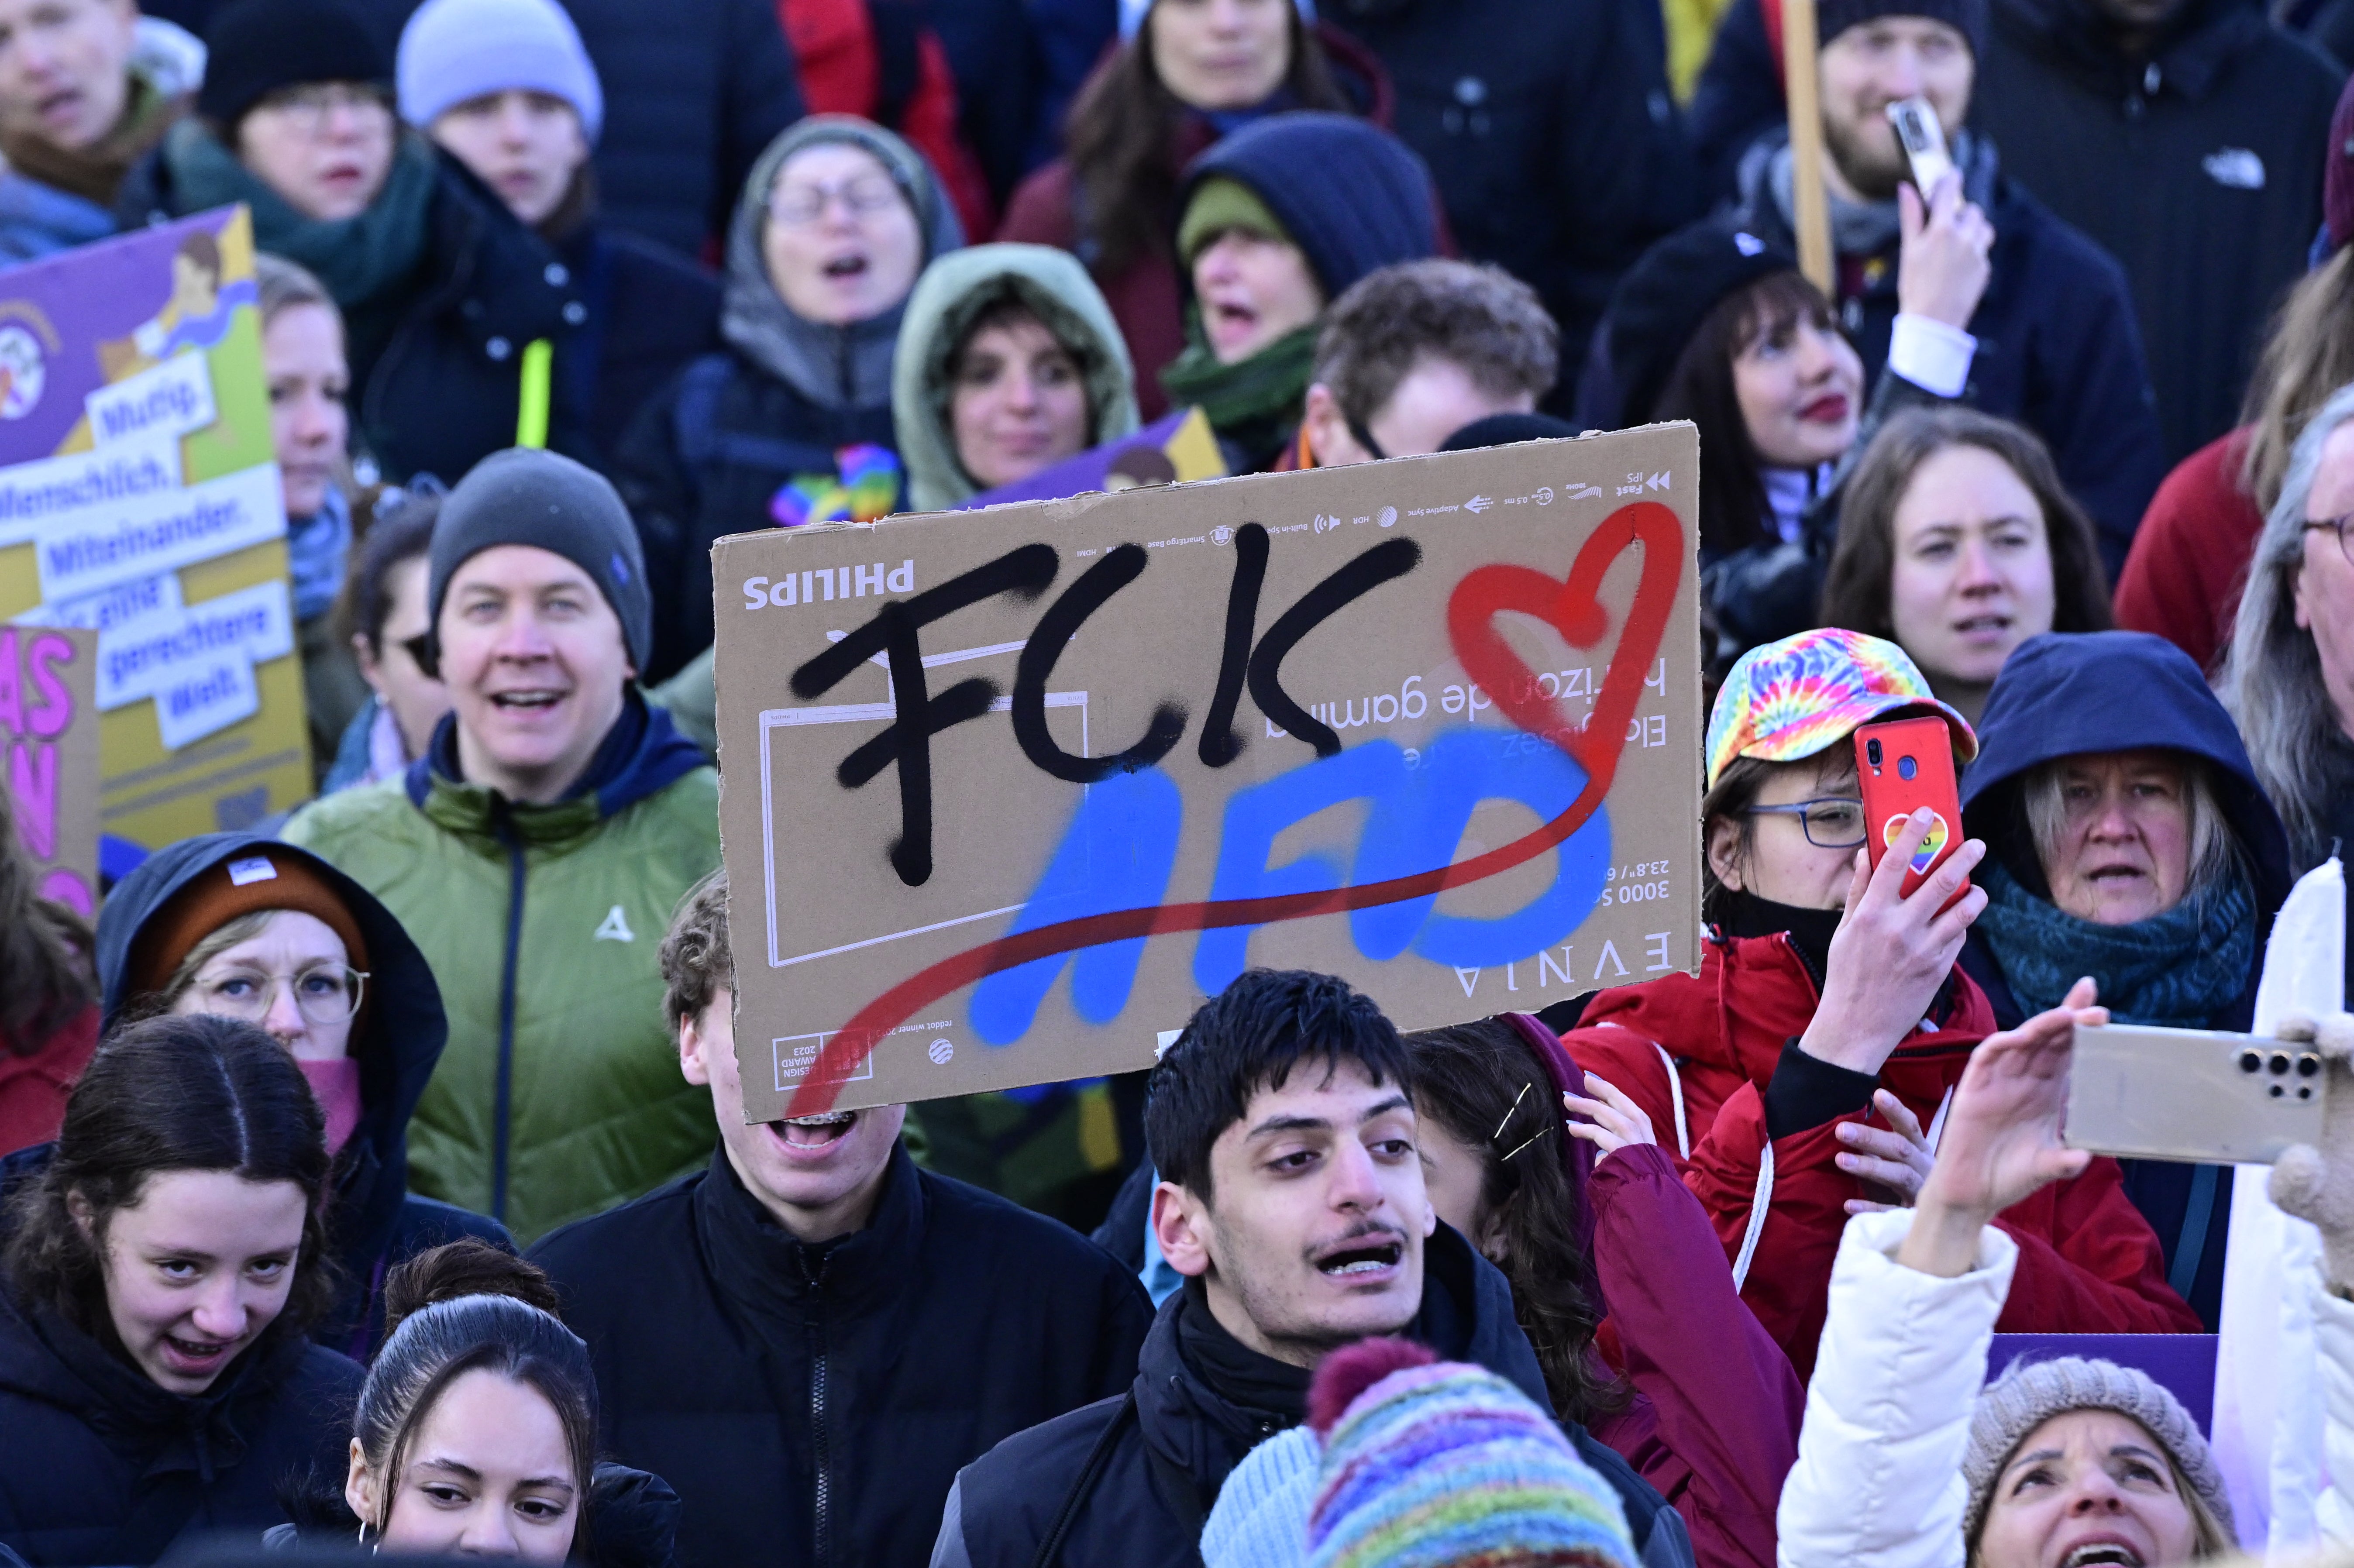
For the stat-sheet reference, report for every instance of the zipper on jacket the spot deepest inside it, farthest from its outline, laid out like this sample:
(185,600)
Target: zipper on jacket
(821,1499)
(504,1099)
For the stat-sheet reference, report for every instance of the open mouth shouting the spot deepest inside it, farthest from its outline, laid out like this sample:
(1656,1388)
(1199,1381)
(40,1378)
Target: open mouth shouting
(525,702)
(1372,1256)
(813,1137)
(2102,1551)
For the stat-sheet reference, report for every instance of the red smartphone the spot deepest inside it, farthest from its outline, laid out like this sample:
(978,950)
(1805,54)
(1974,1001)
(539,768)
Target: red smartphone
(1904,765)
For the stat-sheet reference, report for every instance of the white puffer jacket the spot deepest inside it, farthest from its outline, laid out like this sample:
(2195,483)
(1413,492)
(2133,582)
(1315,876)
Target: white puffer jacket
(1879,1479)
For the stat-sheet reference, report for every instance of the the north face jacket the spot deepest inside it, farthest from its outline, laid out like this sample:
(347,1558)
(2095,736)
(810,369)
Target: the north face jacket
(1139,1473)
(559,1093)
(375,1221)
(1713,1060)
(812,1404)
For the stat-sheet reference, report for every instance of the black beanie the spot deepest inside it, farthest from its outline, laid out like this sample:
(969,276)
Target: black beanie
(1353,197)
(1665,296)
(256,46)
(1505,430)
(526,496)
(1969,17)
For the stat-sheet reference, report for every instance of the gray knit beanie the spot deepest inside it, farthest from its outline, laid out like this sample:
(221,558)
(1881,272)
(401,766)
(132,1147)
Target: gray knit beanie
(2027,1395)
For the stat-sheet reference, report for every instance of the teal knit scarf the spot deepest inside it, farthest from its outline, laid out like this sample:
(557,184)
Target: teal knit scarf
(356,258)
(2176,969)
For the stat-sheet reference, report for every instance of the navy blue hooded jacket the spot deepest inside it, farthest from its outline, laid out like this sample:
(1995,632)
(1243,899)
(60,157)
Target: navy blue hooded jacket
(374,1221)
(2069,694)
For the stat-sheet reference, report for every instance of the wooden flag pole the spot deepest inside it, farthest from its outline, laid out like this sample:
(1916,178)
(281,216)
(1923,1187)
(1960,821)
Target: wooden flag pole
(1811,210)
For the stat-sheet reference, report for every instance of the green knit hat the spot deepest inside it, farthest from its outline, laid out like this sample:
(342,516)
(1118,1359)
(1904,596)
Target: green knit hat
(1220,204)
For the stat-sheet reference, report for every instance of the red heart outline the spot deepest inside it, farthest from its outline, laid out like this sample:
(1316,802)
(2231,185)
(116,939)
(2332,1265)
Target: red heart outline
(1571,606)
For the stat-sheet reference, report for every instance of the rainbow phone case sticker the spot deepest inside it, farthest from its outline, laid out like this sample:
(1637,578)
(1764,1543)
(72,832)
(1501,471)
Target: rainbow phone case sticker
(1931,846)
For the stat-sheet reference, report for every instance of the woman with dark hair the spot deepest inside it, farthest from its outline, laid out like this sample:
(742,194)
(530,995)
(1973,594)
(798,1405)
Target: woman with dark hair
(383,614)
(1186,74)
(1796,1073)
(1570,1195)
(49,996)
(1715,325)
(164,1258)
(1957,542)
(235,926)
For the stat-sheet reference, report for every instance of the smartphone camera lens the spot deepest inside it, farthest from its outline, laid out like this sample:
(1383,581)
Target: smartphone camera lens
(2251,1062)
(1906,767)
(2279,1063)
(2307,1065)
(1871,751)
(2277,1091)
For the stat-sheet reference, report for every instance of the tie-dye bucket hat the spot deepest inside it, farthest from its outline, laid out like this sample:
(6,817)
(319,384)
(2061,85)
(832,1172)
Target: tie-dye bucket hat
(1791,699)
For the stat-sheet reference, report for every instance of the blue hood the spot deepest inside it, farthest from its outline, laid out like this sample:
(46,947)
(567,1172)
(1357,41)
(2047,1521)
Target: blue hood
(401,1028)
(2070,693)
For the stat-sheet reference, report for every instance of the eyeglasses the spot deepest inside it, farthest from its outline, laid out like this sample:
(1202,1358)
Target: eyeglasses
(323,993)
(308,106)
(2337,526)
(1831,823)
(803,204)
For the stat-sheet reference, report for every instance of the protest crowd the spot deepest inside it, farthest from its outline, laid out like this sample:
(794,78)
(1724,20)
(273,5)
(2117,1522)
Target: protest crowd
(375,1171)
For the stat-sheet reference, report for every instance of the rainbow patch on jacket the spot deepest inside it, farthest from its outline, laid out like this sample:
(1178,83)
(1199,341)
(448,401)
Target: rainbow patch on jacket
(864,487)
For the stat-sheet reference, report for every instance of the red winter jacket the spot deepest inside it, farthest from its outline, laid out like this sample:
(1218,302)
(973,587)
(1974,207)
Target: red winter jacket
(1715,1426)
(1146,297)
(34,1085)
(2189,562)
(843,54)
(2089,1263)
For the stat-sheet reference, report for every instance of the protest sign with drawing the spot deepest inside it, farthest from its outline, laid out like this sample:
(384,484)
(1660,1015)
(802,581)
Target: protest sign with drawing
(140,500)
(48,732)
(1006,793)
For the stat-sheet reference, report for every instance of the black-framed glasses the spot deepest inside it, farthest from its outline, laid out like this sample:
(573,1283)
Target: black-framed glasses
(2336,526)
(1831,821)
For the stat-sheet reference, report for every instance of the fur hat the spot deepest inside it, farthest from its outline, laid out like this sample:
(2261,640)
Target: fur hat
(2027,1395)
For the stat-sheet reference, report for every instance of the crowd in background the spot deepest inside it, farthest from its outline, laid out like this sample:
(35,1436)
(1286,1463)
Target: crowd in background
(382,1179)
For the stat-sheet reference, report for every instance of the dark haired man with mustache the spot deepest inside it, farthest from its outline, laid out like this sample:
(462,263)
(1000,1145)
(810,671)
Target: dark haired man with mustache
(1292,1198)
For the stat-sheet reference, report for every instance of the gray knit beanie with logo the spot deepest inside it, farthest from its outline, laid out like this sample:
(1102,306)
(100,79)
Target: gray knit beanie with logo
(2028,1394)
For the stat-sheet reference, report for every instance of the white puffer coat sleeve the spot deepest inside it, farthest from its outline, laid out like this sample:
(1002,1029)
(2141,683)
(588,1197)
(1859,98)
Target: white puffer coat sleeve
(2333,1336)
(1879,1479)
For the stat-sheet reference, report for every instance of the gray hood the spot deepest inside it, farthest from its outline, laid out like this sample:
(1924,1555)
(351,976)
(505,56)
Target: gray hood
(834,367)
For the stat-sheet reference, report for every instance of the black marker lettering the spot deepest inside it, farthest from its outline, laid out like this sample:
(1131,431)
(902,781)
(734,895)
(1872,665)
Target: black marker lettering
(895,633)
(1056,628)
(1219,744)
(1391,558)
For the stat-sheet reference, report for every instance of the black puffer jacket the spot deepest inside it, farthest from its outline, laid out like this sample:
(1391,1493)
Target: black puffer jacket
(1140,1471)
(98,1465)
(375,1221)
(651,313)
(812,1403)
(436,367)
(2199,168)
(1549,130)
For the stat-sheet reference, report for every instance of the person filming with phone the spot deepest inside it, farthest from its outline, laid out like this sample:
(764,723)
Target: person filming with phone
(2068,1461)
(1799,1077)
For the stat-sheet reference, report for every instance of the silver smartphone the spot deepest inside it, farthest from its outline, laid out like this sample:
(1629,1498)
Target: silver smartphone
(2192,1093)
(1923,141)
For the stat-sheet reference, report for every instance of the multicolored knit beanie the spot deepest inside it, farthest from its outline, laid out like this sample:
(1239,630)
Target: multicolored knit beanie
(1431,1464)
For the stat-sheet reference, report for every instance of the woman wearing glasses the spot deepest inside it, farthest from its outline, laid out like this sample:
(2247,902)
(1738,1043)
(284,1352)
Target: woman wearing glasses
(246,927)
(791,422)
(445,294)
(2128,839)
(1799,1077)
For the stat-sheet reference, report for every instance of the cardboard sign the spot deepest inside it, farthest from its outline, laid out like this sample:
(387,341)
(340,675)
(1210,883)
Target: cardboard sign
(140,500)
(1173,448)
(48,732)
(1007,794)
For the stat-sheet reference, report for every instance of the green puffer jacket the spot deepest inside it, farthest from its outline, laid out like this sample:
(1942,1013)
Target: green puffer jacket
(560,1094)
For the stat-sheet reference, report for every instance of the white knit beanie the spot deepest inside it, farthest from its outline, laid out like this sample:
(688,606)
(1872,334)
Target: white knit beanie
(1132,14)
(1260,1520)
(454,50)
(2027,1395)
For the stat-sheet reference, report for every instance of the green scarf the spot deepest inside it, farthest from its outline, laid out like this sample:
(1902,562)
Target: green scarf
(1253,403)
(2176,969)
(358,259)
